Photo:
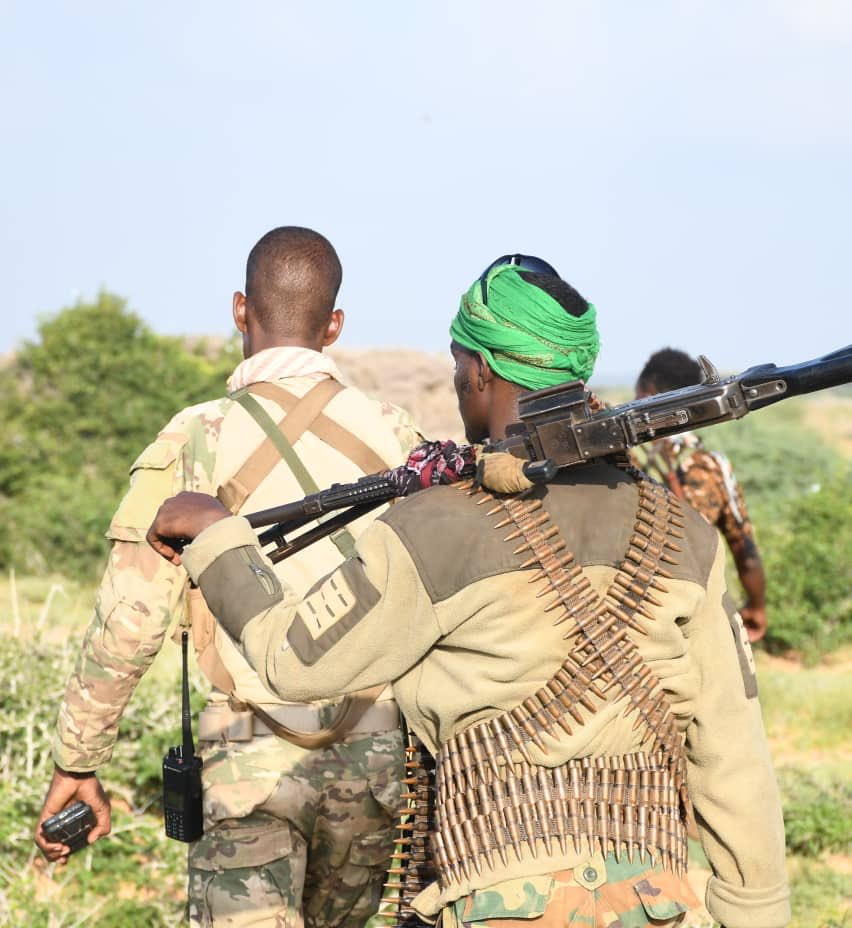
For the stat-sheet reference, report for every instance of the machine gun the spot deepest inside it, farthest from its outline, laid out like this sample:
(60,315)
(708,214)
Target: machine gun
(557,430)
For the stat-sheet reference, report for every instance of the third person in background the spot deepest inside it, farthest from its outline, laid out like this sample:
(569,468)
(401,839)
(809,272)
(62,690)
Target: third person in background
(705,479)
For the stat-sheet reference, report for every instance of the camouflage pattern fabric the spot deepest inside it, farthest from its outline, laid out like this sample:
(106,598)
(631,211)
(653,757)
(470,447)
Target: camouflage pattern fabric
(601,893)
(705,479)
(326,825)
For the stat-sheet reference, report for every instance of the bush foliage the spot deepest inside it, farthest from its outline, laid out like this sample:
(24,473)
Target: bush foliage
(78,405)
(817,812)
(136,875)
(799,495)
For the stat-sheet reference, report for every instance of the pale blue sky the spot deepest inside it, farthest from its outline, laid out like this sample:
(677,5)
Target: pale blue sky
(685,164)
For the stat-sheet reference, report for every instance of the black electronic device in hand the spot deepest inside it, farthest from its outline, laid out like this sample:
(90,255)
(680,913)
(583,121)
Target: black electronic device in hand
(71,826)
(182,801)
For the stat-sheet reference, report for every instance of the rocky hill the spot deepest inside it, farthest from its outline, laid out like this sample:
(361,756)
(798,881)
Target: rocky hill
(419,382)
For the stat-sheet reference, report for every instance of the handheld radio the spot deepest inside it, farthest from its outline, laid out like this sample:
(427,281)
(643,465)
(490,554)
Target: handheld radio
(182,804)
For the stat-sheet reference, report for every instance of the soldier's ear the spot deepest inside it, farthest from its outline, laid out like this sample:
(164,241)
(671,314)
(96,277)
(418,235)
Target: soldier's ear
(239,311)
(333,328)
(483,370)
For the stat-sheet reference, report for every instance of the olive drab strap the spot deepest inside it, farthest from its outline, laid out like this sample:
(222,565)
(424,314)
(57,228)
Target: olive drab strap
(298,415)
(301,415)
(280,445)
(488,801)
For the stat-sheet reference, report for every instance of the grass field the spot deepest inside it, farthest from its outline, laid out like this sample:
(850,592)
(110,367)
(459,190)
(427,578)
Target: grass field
(136,876)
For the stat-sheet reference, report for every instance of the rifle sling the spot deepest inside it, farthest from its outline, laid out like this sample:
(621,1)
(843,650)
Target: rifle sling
(280,437)
(347,715)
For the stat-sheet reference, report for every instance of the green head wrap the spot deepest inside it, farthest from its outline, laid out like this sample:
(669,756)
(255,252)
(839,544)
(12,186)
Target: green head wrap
(526,336)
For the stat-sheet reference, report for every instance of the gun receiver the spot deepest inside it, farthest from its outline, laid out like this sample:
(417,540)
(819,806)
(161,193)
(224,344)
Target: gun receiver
(556,424)
(557,430)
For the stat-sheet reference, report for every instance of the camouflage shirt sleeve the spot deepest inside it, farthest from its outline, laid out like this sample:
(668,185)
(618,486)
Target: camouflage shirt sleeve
(710,487)
(139,596)
(734,522)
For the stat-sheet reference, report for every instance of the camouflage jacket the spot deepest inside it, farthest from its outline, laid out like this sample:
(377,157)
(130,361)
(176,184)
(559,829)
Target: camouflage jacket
(705,479)
(141,596)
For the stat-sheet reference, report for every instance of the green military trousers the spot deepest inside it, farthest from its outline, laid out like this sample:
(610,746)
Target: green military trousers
(294,837)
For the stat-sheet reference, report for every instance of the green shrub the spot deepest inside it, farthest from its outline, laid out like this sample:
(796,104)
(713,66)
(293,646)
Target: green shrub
(807,558)
(820,897)
(135,875)
(817,812)
(777,459)
(78,406)
(799,494)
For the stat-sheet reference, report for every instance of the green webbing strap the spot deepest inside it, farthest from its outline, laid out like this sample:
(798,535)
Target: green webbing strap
(343,540)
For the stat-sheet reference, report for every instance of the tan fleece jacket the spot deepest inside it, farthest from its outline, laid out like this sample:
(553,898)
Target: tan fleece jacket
(437,605)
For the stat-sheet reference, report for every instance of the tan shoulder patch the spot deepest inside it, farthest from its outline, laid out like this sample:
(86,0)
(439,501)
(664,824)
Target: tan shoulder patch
(330,611)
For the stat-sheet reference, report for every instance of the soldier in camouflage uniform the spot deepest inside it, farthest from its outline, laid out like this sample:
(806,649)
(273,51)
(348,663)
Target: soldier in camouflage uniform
(568,653)
(293,832)
(705,479)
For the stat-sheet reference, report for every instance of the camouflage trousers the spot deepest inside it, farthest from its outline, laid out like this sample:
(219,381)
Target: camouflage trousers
(601,893)
(294,837)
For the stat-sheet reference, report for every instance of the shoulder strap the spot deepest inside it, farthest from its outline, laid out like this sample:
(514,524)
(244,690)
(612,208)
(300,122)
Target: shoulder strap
(298,416)
(309,417)
(347,715)
(281,445)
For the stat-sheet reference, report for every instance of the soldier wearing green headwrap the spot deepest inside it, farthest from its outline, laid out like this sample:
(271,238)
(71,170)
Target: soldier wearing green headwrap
(534,329)
(568,653)
(515,330)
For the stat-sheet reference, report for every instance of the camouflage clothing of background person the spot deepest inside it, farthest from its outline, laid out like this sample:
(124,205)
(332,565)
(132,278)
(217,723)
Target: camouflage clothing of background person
(264,797)
(705,479)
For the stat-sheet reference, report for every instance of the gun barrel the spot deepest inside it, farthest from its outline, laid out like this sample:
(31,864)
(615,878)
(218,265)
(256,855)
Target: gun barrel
(768,384)
(287,513)
(374,488)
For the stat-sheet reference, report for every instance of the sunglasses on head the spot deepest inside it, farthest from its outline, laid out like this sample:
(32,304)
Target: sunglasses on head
(524,262)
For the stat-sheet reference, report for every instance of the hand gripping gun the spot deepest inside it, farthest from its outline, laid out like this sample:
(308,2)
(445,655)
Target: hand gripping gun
(557,430)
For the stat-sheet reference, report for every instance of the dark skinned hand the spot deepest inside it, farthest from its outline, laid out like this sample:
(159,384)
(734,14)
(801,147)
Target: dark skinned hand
(754,619)
(180,520)
(64,789)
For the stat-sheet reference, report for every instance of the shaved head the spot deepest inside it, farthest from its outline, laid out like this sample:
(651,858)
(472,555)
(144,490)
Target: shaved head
(292,278)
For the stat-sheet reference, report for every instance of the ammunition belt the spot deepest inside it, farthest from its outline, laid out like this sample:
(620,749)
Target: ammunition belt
(412,867)
(602,665)
(628,802)
(491,796)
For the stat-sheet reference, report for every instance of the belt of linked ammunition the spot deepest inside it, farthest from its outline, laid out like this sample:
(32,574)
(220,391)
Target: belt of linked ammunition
(626,803)
(491,796)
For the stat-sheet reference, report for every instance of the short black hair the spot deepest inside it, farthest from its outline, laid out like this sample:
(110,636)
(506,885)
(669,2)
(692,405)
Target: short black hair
(561,291)
(293,276)
(669,369)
